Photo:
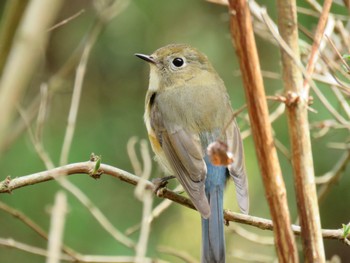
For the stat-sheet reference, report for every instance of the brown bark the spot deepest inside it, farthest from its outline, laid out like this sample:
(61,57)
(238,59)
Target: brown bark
(300,136)
(242,34)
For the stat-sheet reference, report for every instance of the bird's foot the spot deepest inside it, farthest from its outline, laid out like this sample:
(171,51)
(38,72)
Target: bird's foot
(161,182)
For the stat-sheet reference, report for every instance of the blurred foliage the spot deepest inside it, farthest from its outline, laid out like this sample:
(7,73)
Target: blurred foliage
(111,111)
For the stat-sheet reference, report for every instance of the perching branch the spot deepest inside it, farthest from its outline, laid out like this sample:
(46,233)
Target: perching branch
(9,185)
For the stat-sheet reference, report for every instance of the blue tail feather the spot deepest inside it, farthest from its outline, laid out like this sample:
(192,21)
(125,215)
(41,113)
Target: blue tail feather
(213,238)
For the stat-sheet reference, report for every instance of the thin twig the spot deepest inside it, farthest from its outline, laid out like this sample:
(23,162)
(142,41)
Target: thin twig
(39,148)
(317,40)
(250,257)
(97,213)
(157,211)
(258,239)
(342,100)
(282,148)
(78,85)
(42,113)
(338,54)
(179,254)
(135,163)
(309,12)
(332,177)
(10,243)
(107,10)
(316,6)
(65,21)
(75,191)
(288,51)
(278,112)
(36,228)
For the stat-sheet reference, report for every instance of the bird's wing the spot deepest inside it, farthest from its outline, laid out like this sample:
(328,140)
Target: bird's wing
(184,154)
(237,168)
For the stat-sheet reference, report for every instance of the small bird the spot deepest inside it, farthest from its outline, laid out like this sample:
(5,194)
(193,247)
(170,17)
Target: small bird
(187,108)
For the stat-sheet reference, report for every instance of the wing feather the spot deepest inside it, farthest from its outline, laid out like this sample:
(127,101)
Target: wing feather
(237,168)
(184,155)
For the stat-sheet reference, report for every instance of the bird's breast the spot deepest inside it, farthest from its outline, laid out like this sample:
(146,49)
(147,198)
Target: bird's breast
(198,108)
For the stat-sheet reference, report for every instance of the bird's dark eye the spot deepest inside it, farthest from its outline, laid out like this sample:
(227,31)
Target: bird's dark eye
(178,62)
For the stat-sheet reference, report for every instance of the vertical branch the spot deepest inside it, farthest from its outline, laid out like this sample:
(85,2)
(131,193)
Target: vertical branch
(146,197)
(302,160)
(243,36)
(78,86)
(106,10)
(317,40)
(28,47)
(11,17)
(57,228)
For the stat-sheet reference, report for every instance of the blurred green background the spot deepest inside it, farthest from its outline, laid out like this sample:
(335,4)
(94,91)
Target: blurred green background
(111,111)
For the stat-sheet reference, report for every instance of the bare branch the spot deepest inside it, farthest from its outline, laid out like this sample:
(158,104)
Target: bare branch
(106,11)
(179,254)
(135,163)
(146,197)
(262,240)
(251,257)
(332,177)
(275,191)
(29,43)
(267,224)
(302,159)
(65,21)
(9,185)
(317,40)
(157,211)
(10,243)
(57,228)
(78,85)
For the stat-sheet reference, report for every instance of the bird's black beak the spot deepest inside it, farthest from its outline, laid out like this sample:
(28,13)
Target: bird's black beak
(146,58)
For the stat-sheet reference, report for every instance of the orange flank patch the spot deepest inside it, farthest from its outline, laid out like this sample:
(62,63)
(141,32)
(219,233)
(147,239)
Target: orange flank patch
(155,144)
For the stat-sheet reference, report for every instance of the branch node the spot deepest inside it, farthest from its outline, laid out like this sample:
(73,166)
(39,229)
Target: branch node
(4,185)
(292,99)
(95,172)
(160,192)
(93,157)
(226,222)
